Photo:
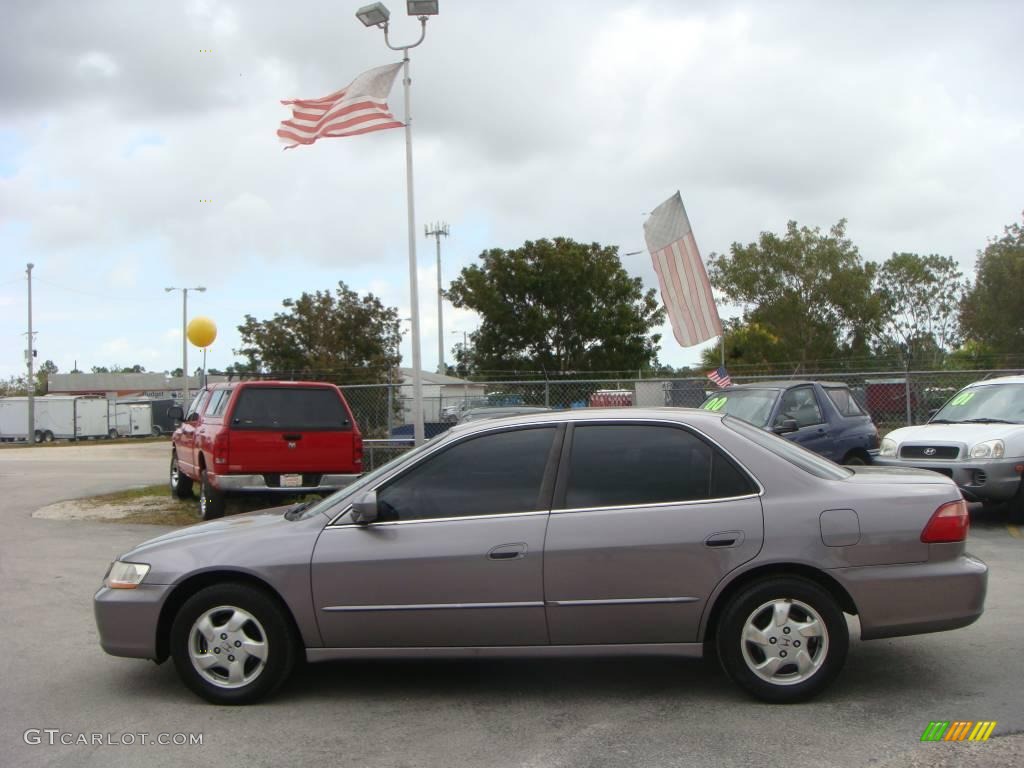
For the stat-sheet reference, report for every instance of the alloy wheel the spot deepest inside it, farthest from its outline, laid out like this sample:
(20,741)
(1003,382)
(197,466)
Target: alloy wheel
(228,647)
(784,642)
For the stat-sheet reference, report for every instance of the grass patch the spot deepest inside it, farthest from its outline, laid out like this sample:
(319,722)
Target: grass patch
(134,494)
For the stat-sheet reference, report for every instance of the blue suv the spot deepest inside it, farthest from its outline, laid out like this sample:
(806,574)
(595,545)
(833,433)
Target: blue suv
(823,417)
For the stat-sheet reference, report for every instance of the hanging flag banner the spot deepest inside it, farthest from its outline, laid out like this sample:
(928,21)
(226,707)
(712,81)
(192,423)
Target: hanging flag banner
(685,290)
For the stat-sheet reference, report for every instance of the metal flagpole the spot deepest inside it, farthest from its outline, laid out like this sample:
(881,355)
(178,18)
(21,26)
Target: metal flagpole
(414,298)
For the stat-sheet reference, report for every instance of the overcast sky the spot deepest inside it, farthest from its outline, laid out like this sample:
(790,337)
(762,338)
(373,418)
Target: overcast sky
(532,119)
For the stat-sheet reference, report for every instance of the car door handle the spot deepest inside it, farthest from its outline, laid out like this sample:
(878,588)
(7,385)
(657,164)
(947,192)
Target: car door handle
(290,438)
(508,552)
(724,539)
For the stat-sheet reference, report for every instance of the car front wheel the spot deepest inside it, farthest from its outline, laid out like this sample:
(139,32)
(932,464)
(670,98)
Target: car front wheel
(783,639)
(181,484)
(232,644)
(211,501)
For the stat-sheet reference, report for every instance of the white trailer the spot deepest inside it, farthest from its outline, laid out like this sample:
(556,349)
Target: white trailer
(57,417)
(133,419)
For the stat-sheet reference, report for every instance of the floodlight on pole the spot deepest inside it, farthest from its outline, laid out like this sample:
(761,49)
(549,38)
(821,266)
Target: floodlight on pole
(184,338)
(377,15)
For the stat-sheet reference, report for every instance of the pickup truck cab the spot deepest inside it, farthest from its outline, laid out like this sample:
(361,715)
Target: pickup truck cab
(823,417)
(263,437)
(976,438)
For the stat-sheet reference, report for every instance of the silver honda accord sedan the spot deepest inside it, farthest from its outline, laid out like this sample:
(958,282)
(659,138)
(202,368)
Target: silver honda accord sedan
(591,532)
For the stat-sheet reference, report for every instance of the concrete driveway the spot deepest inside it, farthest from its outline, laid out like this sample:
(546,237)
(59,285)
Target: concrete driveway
(617,712)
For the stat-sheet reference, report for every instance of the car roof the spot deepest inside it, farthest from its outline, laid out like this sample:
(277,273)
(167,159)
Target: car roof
(693,416)
(1014,379)
(785,384)
(265,383)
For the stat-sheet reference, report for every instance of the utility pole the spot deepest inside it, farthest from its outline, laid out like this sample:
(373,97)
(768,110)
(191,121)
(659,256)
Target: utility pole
(436,231)
(184,342)
(31,435)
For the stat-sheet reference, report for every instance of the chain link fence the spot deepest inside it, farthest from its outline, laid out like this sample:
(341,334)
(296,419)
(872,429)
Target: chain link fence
(894,398)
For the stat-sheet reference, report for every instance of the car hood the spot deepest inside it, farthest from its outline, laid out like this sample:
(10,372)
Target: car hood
(961,434)
(895,476)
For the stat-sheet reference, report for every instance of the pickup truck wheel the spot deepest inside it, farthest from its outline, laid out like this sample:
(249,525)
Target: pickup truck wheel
(181,484)
(232,644)
(782,639)
(211,501)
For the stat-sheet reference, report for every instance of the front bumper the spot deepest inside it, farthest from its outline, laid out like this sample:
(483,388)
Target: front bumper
(979,479)
(316,483)
(127,619)
(915,598)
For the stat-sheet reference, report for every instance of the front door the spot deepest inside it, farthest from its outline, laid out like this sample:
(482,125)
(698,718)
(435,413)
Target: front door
(647,520)
(801,405)
(456,556)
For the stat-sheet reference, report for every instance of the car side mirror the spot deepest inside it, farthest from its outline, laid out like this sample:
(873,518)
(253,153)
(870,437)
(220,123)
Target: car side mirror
(785,426)
(176,413)
(364,509)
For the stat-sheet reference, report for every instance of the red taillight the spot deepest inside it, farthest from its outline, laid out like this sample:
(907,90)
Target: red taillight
(221,447)
(949,523)
(357,450)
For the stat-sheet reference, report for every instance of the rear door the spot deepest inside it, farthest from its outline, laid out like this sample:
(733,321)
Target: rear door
(290,429)
(648,518)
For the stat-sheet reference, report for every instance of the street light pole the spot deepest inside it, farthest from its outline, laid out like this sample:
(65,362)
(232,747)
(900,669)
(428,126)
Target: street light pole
(184,341)
(30,386)
(376,15)
(437,231)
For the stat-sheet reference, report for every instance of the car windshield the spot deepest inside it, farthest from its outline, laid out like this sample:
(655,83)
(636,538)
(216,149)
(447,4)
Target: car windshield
(751,405)
(796,455)
(326,504)
(985,402)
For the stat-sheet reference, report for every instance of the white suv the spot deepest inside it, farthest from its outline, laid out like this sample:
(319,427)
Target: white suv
(976,438)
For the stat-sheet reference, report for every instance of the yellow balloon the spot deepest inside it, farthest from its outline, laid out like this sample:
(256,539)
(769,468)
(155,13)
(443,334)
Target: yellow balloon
(202,331)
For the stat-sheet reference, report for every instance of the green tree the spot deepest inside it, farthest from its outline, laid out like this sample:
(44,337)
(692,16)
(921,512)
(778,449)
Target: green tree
(13,386)
(557,306)
(920,303)
(46,370)
(810,290)
(339,336)
(748,345)
(992,311)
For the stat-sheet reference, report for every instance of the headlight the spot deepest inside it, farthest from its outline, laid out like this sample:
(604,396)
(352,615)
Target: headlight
(990,449)
(125,575)
(888,447)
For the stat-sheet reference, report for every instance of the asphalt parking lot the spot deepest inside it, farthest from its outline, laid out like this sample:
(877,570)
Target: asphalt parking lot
(617,712)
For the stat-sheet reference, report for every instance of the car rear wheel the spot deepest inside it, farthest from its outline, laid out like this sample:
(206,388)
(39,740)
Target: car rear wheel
(783,640)
(232,644)
(211,501)
(181,484)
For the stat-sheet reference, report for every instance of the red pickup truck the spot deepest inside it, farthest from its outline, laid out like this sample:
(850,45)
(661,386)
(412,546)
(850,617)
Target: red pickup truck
(265,437)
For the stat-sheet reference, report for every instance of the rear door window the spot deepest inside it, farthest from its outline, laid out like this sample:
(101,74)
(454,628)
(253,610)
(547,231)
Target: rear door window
(843,400)
(215,403)
(217,407)
(615,465)
(289,408)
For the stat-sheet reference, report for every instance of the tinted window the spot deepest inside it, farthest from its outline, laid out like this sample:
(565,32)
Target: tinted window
(843,400)
(488,475)
(810,462)
(289,408)
(622,464)
(215,402)
(800,404)
(218,406)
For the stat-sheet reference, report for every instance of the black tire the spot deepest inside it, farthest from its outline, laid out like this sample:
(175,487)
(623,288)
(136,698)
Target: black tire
(112,434)
(1015,506)
(181,484)
(269,624)
(157,430)
(47,436)
(824,653)
(211,501)
(37,436)
(855,460)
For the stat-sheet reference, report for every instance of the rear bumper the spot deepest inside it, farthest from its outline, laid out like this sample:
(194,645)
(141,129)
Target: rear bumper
(979,479)
(258,484)
(916,598)
(127,619)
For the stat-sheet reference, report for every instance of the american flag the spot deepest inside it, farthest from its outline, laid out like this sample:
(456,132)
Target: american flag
(721,377)
(359,107)
(685,289)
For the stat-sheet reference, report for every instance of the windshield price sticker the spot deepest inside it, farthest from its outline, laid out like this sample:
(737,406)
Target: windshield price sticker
(962,399)
(715,403)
